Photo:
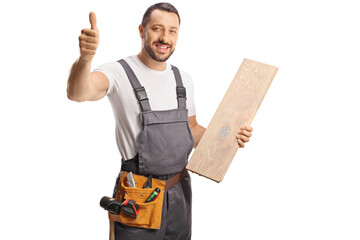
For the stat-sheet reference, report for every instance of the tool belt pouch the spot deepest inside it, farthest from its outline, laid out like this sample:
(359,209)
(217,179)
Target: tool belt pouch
(149,214)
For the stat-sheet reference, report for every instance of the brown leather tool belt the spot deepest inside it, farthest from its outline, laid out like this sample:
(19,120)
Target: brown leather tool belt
(149,213)
(172,181)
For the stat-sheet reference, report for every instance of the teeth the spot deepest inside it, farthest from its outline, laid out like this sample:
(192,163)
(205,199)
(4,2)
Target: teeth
(163,47)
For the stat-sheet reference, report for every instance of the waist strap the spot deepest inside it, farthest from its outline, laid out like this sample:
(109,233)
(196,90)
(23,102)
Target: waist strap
(176,179)
(132,165)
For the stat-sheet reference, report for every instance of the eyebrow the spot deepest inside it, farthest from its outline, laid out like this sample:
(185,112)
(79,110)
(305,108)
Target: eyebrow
(162,26)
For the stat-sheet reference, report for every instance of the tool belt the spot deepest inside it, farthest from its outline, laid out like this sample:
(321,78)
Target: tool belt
(149,213)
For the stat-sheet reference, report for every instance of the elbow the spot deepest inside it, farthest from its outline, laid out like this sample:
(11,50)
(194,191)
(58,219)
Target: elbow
(73,98)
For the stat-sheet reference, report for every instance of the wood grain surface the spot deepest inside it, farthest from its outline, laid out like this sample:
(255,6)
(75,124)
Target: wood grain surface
(218,146)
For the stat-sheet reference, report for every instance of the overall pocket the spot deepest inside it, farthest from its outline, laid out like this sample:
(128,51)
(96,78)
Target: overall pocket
(165,141)
(149,214)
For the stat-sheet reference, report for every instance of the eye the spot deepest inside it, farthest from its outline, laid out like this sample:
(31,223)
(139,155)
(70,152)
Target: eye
(156,28)
(173,31)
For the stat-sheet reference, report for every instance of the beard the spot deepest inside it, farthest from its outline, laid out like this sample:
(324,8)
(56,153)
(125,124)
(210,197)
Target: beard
(153,55)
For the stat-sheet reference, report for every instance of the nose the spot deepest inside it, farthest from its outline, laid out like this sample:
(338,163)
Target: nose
(164,37)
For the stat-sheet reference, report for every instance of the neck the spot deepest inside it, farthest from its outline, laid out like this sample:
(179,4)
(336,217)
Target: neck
(149,62)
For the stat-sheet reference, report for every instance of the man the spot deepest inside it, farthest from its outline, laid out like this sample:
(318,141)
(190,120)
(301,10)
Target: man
(151,133)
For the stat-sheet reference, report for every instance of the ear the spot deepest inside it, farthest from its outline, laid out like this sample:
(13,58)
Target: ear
(141,31)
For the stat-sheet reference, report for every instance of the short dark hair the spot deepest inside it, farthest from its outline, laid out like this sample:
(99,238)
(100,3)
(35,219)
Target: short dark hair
(162,6)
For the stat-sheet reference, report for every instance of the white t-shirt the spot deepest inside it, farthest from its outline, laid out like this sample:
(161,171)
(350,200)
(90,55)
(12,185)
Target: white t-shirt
(160,87)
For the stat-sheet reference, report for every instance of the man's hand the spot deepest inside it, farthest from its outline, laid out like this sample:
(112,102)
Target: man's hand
(243,135)
(89,39)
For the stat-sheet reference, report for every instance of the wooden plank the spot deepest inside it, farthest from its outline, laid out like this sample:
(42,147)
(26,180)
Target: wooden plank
(218,146)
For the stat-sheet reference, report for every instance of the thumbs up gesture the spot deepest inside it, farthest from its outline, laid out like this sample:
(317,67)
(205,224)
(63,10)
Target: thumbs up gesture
(89,39)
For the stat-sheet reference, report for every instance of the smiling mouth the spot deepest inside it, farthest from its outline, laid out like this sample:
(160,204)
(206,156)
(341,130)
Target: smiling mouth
(161,47)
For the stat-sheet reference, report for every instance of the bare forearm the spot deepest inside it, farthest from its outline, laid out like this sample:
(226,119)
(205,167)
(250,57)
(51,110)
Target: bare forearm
(78,82)
(197,132)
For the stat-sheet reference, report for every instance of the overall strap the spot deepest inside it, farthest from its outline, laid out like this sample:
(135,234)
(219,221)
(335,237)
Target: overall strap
(180,89)
(139,90)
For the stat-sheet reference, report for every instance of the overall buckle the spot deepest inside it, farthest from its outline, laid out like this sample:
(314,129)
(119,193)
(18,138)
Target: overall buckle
(181,92)
(141,94)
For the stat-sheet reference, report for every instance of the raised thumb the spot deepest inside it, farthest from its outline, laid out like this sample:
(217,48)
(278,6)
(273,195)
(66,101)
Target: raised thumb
(92,18)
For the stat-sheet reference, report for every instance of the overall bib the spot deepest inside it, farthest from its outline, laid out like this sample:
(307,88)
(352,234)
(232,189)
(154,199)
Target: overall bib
(164,143)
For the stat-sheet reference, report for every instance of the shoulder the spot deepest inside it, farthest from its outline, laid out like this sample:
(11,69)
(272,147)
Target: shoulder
(112,69)
(108,66)
(112,66)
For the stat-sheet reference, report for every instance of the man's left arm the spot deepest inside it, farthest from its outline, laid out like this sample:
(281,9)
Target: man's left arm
(197,131)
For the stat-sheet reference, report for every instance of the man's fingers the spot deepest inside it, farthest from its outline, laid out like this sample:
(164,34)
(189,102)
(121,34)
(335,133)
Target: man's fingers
(247,133)
(241,143)
(243,135)
(87,39)
(92,18)
(88,32)
(86,45)
(248,128)
(243,138)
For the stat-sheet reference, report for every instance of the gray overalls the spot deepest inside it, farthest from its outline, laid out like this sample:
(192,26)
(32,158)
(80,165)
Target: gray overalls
(165,143)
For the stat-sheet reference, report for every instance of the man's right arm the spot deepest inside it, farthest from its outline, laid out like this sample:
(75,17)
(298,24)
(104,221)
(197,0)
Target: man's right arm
(84,85)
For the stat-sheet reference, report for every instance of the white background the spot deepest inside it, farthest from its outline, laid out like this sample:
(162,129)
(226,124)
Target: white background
(298,177)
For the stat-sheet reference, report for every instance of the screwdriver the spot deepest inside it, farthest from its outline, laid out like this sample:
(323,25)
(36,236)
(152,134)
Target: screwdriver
(153,195)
